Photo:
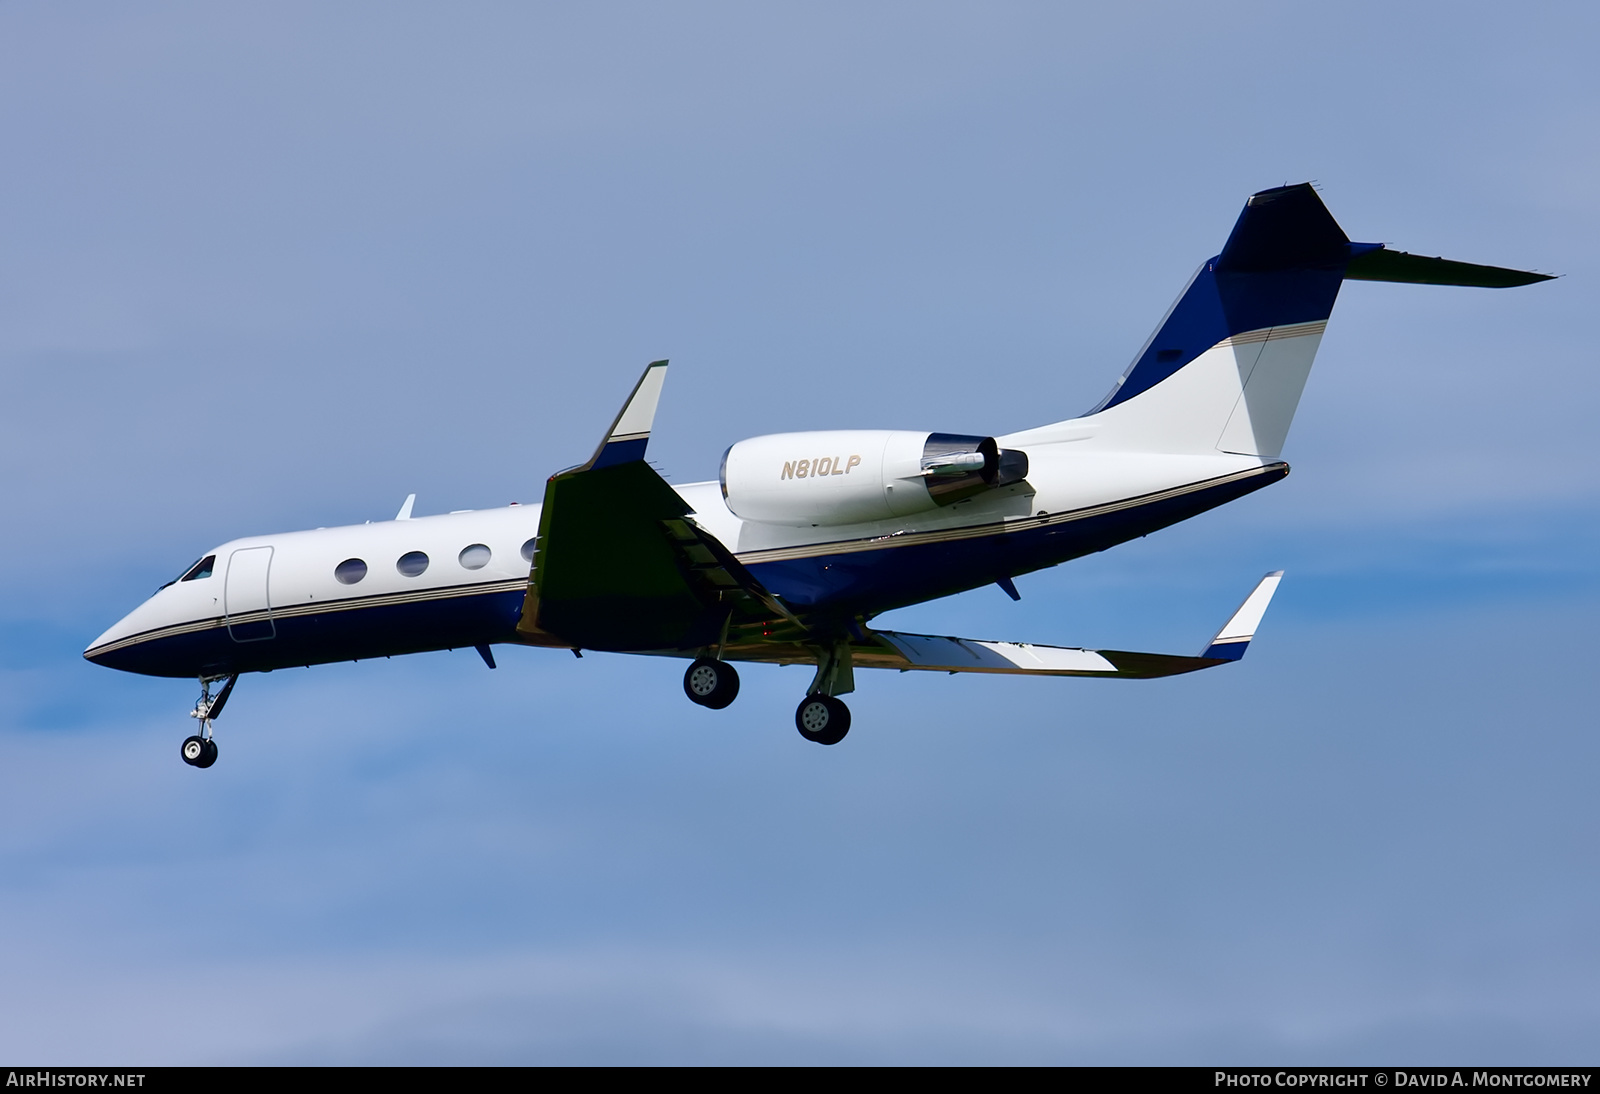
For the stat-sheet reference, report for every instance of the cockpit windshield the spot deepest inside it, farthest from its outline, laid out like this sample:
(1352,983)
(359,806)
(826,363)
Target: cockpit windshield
(199,570)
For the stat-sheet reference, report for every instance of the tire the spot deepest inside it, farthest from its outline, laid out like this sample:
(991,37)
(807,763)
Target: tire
(194,752)
(211,755)
(822,719)
(712,684)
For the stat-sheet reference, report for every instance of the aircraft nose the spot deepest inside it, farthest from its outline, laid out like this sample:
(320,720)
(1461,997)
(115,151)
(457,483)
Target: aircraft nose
(103,650)
(163,638)
(128,643)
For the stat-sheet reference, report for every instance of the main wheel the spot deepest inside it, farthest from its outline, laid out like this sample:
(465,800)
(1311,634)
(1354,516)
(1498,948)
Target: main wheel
(195,752)
(823,719)
(210,757)
(711,683)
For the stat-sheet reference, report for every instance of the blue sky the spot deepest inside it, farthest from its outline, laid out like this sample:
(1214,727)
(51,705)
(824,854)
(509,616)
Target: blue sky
(273,268)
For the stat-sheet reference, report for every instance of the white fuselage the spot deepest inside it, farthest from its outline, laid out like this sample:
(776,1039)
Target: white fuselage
(276,600)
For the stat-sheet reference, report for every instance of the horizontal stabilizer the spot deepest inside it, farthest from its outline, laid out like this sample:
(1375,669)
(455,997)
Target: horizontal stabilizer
(1382,264)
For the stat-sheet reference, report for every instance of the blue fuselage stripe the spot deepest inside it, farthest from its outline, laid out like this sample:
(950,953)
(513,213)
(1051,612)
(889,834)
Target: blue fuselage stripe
(843,584)
(869,582)
(381,630)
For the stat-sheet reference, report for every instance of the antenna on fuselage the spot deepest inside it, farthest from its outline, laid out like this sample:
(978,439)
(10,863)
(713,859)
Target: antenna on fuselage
(405,510)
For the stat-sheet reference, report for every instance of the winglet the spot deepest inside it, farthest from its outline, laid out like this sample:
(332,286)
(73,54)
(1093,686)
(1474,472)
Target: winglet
(631,431)
(1234,637)
(405,509)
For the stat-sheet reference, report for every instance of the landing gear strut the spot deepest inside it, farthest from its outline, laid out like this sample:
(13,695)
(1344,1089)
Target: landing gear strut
(711,683)
(821,717)
(201,749)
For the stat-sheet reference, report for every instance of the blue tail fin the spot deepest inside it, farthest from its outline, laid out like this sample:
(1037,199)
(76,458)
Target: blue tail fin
(1247,327)
(1282,266)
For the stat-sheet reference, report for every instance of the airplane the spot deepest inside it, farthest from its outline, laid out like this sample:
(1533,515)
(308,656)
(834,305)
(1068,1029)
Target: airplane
(804,538)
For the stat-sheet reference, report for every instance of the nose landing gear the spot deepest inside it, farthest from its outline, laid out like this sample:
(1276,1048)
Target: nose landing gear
(200,750)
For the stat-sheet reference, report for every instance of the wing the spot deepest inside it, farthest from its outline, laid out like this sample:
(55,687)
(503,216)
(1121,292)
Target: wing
(620,563)
(936,654)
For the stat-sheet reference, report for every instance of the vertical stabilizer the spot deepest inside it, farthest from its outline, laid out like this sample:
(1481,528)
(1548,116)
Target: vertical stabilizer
(1225,369)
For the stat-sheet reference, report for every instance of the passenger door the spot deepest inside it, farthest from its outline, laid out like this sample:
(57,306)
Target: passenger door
(247,610)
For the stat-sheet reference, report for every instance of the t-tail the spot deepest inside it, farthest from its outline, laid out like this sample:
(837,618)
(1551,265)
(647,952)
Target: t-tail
(1224,371)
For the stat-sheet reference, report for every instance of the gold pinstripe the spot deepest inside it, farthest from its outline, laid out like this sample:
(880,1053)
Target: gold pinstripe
(1294,330)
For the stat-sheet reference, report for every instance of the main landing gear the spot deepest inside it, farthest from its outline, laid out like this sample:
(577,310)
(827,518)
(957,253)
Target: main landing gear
(201,749)
(711,683)
(821,717)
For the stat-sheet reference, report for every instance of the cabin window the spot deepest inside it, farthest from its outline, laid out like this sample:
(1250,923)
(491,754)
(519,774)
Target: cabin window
(350,571)
(476,557)
(527,549)
(201,569)
(412,563)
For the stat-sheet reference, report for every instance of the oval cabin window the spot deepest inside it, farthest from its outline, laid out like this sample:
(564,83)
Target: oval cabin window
(475,557)
(527,549)
(350,571)
(412,563)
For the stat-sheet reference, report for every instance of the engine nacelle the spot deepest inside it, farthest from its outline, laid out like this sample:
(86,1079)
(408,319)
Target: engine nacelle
(858,475)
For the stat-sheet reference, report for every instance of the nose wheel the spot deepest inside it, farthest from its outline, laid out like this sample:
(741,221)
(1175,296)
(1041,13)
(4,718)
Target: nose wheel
(200,750)
(711,683)
(823,719)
